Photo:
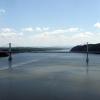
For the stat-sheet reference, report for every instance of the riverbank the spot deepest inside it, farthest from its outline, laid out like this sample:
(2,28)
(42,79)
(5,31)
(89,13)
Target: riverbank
(3,54)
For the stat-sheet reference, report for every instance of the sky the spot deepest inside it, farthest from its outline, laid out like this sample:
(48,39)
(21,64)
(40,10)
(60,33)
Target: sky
(49,22)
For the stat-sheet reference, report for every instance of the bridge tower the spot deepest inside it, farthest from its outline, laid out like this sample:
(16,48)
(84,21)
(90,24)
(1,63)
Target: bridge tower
(87,51)
(10,53)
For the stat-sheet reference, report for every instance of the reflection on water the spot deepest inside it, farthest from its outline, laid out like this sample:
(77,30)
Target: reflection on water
(10,65)
(87,69)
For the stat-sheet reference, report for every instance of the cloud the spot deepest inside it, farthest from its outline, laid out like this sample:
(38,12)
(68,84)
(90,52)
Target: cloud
(73,29)
(45,37)
(83,37)
(58,31)
(63,31)
(57,37)
(41,29)
(38,29)
(28,29)
(6,30)
(55,31)
(9,35)
(64,39)
(45,28)
(97,25)
(48,39)
(2,11)
(9,32)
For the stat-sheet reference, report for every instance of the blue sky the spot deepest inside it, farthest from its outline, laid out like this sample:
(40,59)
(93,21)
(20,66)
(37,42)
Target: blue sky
(34,20)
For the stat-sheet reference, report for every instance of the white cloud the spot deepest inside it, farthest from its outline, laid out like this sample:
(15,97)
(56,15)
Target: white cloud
(28,29)
(83,37)
(63,31)
(2,11)
(9,35)
(48,39)
(53,38)
(45,28)
(58,37)
(38,29)
(9,32)
(73,29)
(58,31)
(6,30)
(97,25)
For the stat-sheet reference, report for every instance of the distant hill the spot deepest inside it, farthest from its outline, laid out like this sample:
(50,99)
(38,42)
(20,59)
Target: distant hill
(36,50)
(93,48)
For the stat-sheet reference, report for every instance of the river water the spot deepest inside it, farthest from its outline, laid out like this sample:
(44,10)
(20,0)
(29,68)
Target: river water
(50,76)
(72,59)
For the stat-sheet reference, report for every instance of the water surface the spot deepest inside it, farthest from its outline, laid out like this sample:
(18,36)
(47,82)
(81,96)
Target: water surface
(50,76)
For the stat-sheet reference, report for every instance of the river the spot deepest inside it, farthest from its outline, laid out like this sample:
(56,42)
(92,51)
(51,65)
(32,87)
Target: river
(50,76)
